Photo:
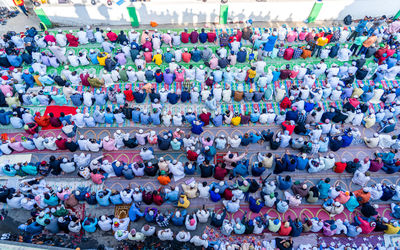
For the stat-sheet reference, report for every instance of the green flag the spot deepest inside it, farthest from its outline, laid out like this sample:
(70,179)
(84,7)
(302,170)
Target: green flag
(133,16)
(223,14)
(43,17)
(314,12)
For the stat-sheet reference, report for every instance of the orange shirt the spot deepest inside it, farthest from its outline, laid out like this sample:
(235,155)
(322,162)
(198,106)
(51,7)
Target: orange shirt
(36,77)
(364,196)
(164,179)
(370,40)
(306,53)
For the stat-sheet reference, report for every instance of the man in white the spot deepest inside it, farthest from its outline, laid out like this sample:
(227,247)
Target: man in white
(82,37)
(344,53)
(61,39)
(73,59)
(391,73)
(58,52)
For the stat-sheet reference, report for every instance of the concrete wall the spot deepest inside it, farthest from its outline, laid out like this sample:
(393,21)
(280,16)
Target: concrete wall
(194,11)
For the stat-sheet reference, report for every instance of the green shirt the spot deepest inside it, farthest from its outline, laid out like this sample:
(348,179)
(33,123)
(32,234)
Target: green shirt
(359,40)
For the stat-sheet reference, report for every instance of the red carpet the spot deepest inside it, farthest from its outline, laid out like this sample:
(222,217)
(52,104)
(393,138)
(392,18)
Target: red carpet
(56,110)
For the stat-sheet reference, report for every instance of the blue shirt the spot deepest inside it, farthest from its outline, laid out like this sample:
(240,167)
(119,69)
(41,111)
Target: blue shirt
(203,37)
(217,75)
(275,75)
(361,26)
(217,120)
(109,117)
(136,116)
(93,58)
(28,78)
(254,117)
(155,118)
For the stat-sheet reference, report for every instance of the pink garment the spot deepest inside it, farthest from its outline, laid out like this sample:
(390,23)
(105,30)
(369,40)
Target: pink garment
(394,27)
(213,62)
(354,102)
(121,58)
(206,143)
(302,35)
(177,134)
(97,178)
(64,195)
(166,38)
(291,36)
(152,139)
(6,89)
(179,76)
(109,145)
(17,146)
(342,198)
(327,230)
(228,161)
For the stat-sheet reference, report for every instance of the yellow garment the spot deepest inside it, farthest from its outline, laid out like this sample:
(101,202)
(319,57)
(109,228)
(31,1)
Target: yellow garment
(322,41)
(36,77)
(189,192)
(358,92)
(391,229)
(236,120)
(252,73)
(102,60)
(369,121)
(157,59)
(12,100)
(186,202)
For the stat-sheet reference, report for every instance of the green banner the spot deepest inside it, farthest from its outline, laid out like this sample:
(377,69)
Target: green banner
(397,15)
(314,12)
(43,17)
(133,16)
(223,14)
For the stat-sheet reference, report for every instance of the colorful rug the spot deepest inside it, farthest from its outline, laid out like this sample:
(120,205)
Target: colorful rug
(121,211)
(127,156)
(305,211)
(56,110)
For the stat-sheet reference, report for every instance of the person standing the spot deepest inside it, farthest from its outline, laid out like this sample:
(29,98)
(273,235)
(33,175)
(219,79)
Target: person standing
(21,5)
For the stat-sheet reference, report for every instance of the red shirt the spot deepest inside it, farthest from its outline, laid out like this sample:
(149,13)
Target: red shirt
(205,117)
(61,144)
(238,35)
(320,34)
(380,52)
(288,54)
(84,79)
(128,95)
(220,173)
(148,45)
(148,57)
(185,37)
(286,103)
(72,40)
(50,38)
(147,197)
(186,56)
(112,36)
(340,167)
(329,37)
(288,127)
(157,199)
(192,156)
(211,37)
(285,230)
(97,178)
(42,121)
(228,194)
(375,166)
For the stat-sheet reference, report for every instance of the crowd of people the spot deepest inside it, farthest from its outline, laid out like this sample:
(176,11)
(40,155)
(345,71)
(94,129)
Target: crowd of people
(209,70)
